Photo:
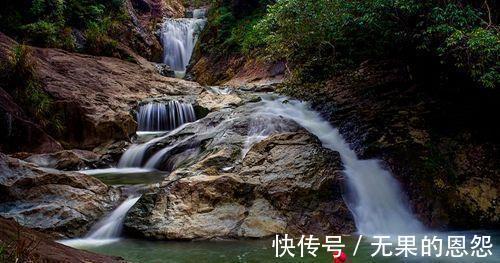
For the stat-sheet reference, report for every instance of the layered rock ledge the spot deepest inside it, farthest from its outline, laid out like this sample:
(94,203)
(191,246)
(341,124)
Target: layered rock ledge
(94,95)
(63,204)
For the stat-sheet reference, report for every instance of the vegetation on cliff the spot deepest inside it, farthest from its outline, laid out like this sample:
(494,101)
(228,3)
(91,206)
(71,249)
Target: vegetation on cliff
(75,25)
(18,76)
(231,26)
(320,38)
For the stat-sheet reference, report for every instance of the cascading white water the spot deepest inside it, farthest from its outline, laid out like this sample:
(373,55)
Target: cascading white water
(135,154)
(111,226)
(261,126)
(199,13)
(108,229)
(155,116)
(377,203)
(178,37)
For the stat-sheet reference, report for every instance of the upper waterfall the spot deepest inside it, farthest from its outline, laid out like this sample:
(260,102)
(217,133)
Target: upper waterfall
(178,37)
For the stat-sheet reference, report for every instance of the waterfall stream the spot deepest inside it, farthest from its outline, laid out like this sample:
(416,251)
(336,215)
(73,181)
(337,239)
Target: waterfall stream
(375,197)
(111,226)
(178,37)
(108,229)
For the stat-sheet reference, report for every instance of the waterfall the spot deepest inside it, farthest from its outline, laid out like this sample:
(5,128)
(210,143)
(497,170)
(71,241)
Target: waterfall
(178,37)
(375,197)
(156,116)
(108,229)
(199,13)
(261,126)
(111,226)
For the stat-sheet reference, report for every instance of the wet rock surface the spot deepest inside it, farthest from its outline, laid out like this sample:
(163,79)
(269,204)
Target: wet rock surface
(286,183)
(432,141)
(68,160)
(64,204)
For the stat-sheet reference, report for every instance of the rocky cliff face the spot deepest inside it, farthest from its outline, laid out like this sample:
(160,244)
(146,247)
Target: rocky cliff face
(218,58)
(94,95)
(442,145)
(235,70)
(145,18)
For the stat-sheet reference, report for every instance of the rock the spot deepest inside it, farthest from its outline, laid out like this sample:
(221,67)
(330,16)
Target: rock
(18,133)
(480,197)
(234,70)
(287,183)
(33,246)
(303,179)
(68,160)
(109,154)
(164,70)
(213,101)
(64,204)
(139,31)
(95,95)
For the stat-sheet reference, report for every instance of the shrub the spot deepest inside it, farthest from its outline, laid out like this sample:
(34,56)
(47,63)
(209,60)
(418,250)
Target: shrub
(231,27)
(19,78)
(50,23)
(98,41)
(324,36)
(18,249)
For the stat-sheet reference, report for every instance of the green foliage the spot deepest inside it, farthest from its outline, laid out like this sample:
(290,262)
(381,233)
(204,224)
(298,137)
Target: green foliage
(231,27)
(324,36)
(18,77)
(476,52)
(462,39)
(50,23)
(98,42)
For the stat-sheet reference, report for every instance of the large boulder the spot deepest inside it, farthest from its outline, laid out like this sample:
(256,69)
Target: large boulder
(287,183)
(64,204)
(213,101)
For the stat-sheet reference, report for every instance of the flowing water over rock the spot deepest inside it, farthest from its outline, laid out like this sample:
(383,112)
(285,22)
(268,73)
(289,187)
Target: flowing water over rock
(135,155)
(374,196)
(179,37)
(108,229)
(156,116)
